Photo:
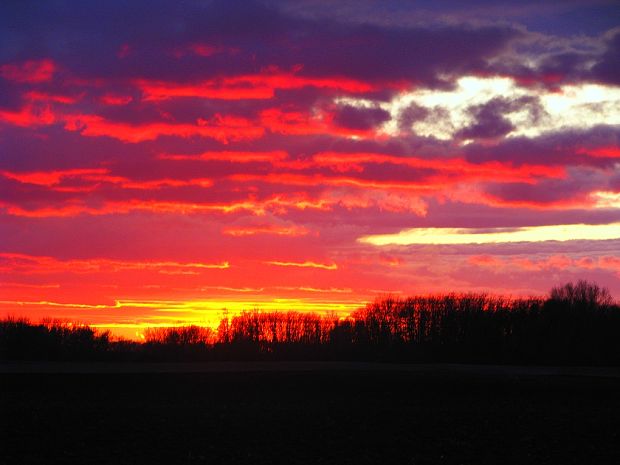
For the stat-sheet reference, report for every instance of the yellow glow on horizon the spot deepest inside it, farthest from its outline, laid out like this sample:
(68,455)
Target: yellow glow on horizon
(455,236)
(174,313)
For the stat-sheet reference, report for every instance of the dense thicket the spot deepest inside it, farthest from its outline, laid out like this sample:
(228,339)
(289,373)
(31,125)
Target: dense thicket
(577,324)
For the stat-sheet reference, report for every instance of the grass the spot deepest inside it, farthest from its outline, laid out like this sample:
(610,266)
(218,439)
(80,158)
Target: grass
(315,417)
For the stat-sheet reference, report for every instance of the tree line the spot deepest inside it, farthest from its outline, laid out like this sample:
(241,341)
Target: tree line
(576,324)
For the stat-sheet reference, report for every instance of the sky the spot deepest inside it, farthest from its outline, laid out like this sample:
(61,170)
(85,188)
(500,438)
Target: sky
(162,161)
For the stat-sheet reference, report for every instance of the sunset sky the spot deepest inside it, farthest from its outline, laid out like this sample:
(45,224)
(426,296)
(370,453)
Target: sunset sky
(161,161)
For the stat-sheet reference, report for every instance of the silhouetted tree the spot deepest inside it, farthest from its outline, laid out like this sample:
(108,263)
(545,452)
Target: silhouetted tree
(577,323)
(582,294)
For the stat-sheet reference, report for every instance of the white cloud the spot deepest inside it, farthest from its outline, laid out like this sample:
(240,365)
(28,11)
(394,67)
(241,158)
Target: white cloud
(571,106)
(564,232)
(606,199)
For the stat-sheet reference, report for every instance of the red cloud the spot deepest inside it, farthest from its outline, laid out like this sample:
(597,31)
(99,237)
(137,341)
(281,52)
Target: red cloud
(223,129)
(50,178)
(163,91)
(276,203)
(557,262)
(480,171)
(601,152)
(114,99)
(31,72)
(29,115)
(201,49)
(610,262)
(273,157)
(34,96)
(307,264)
(552,262)
(94,177)
(485,260)
(317,180)
(35,264)
(582,201)
(254,86)
(304,123)
(273,229)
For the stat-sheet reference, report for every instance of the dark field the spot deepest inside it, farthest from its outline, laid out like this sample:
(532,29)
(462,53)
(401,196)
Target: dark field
(314,414)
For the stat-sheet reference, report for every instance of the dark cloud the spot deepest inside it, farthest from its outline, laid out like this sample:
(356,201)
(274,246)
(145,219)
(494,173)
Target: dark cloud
(88,37)
(412,114)
(563,192)
(550,61)
(360,118)
(490,120)
(614,183)
(559,148)
(53,148)
(10,98)
(607,70)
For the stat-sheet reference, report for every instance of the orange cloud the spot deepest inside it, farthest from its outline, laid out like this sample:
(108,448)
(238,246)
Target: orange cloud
(485,260)
(317,180)
(51,178)
(557,262)
(30,286)
(77,207)
(276,203)
(36,264)
(610,262)
(330,290)
(390,260)
(552,262)
(233,289)
(66,210)
(274,229)
(307,264)
(96,176)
